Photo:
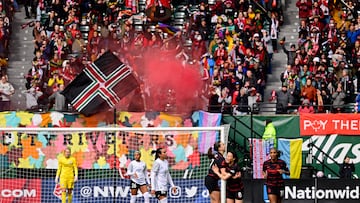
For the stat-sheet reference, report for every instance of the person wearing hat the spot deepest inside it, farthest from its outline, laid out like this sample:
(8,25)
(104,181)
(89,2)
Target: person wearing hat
(306,107)
(235,93)
(283,99)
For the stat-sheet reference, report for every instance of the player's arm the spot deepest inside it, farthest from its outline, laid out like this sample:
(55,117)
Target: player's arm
(154,172)
(169,179)
(146,175)
(284,169)
(265,170)
(58,172)
(75,169)
(220,172)
(130,169)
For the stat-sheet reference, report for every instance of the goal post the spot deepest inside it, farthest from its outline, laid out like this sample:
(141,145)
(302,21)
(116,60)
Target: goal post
(28,161)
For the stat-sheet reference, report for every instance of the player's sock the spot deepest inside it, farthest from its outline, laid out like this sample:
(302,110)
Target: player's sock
(63,197)
(70,197)
(163,200)
(146,197)
(133,199)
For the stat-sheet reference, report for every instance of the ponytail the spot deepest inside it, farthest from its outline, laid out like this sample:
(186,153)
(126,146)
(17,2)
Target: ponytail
(211,150)
(156,152)
(210,153)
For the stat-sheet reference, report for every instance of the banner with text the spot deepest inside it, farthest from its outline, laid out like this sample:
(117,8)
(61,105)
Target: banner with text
(326,124)
(102,150)
(20,190)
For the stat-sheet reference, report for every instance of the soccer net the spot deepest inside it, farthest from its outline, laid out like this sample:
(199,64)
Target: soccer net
(29,160)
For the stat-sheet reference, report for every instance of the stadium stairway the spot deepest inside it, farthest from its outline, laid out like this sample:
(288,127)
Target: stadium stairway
(289,31)
(20,57)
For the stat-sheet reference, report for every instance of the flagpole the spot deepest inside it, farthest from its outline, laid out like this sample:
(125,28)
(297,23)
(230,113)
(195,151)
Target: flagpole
(114,183)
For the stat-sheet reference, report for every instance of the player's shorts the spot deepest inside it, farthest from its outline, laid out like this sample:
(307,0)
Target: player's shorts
(66,183)
(134,185)
(158,194)
(239,195)
(275,190)
(212,184)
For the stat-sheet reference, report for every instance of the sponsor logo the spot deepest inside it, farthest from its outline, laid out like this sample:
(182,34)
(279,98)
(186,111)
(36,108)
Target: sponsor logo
(104,191)
(18,193)
(57,191)
(336,151)
(20,190)
(310,193)
(110,191)
(190,192)
(325,124)
(315,124)
(175,193)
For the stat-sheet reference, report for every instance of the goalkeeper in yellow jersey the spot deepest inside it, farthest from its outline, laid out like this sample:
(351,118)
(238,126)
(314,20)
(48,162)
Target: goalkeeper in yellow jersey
(68,173)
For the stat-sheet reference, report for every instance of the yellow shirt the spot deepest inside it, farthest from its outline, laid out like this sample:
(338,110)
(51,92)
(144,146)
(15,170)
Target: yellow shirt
(67,168)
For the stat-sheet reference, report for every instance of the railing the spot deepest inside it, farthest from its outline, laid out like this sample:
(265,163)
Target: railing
(312,145)
(271,107)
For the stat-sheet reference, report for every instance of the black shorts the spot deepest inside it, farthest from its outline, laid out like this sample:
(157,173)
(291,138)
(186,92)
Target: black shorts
(134,185)
(158,194)
(212,184)
(239,195)
(275,190)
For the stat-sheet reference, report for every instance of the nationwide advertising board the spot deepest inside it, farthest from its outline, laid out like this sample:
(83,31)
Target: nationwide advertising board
(189,191)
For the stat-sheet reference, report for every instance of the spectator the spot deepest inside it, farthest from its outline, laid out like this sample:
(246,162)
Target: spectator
(308,91)
(348,86)
(274,29)
(304,75)
(283,100)
(291,54)
(338,99)
(304,8)
(242,99)
(60,104)
(294,91)
(306,107)
(32,96)
(269,49)
(214,106)
(235,93)
(323,99)
(6,91)
(253,99)
(225,101)
(347,168)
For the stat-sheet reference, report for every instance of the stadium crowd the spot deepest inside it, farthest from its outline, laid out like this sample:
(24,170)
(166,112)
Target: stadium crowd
(232,42)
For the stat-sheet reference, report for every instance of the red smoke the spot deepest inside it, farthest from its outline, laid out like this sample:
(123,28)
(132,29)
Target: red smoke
(169,84)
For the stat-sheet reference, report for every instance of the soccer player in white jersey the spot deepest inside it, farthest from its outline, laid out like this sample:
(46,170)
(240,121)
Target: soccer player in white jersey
(138,174)
(160,176)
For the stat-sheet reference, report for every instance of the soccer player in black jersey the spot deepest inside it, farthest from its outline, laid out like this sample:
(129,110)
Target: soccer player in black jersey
(212,180)
(273,170)
(232,175)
